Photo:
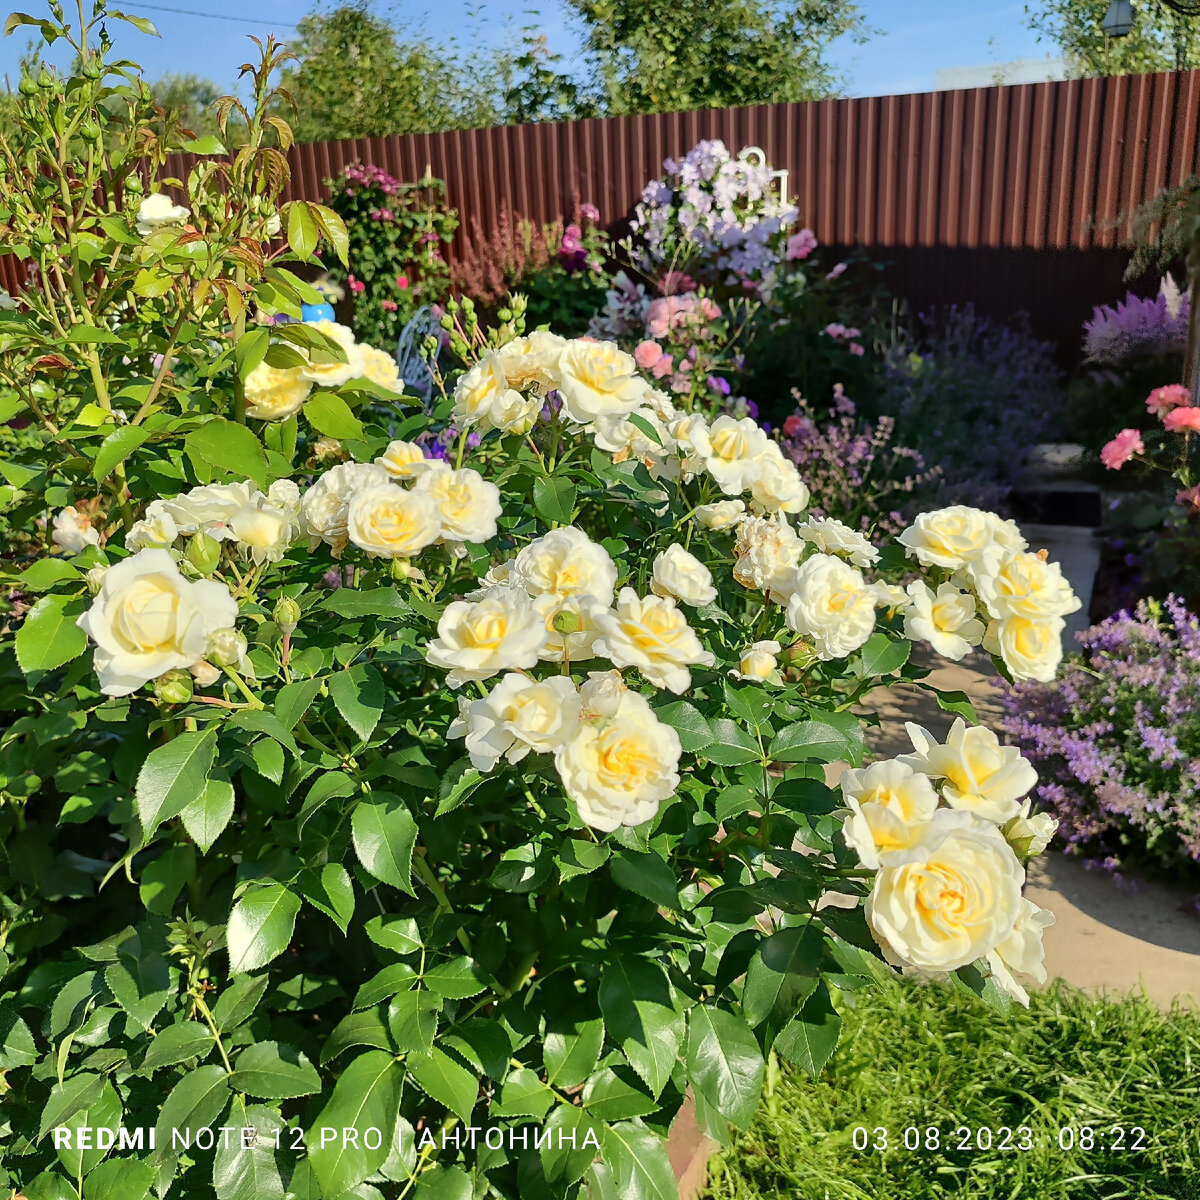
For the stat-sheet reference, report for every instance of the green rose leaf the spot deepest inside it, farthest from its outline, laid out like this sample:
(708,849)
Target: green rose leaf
(242,1172)
(364,1028)
(274,1071)
(119,1179)
(229,448)
(48,636)
(446,1080)
(640,1013)
(328,413)
(812,1036)
(384,834)
(571,1051)
(178,1043)
(724,1062)
(782,974)
(645,875)
(260,927)
(172,777)
(195,1102)
(825,737)
(554,498)
(413,1020)
(206,817)
(881,655)
(238,1001)
(116,448)
(359,695)
(640,1166)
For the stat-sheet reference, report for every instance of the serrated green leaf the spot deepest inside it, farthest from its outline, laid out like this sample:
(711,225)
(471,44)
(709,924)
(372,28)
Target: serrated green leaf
(49,636)
(365,1028)
(445,1080)
(645,875)
(230,448)
(724,1062)
(384,834)
(260,926)
(178,1043)
(359,695)
(782,974)
(274,1071)
(638,1159)
(242,1172)
(120,1179)
(195,1102)
(328,413)
(571,1050)
(413,1020)
(824,737)
(116,448)
(238,1000)
(554,497)
(640,1015)
(206,817)
(812,1036)
(172,777)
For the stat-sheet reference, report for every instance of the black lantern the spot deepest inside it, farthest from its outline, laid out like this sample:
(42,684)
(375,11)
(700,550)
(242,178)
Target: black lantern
(1118,20)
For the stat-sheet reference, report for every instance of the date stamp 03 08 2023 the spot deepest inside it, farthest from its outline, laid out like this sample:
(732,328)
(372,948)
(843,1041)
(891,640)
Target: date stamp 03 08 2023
(1105,1139)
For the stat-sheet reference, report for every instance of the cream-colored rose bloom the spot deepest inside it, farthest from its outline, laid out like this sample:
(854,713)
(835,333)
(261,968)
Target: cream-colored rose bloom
(687,430)
(576,615)
(148,619)
(380,368)
(275,393)
(566,563)
(682,576)
(207,508)
(619,768)
(957,903)
(831,536)
(391,522)
(777,486)
(152,530)
(832,605)
(653,635)
(157,210)
(1022,952)
(333,374)
(602,694)
(467,504)
(598,379)
(945,619)
(73,531)
(889,595)
(1029,649)
(724,514)
(949,537)
(732,451)
(766,554)
(477,639)
(406,460)
(889,803)
(661,405)
(981,776)
(324,508)
(531,362)
(1029,835)
(620,437)
(94,576)
(1018,584)
(263,530)
(758,663)
(483,397)
(519,715)
(1006,533)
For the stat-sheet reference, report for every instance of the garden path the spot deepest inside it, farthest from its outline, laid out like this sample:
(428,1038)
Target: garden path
(1108,935)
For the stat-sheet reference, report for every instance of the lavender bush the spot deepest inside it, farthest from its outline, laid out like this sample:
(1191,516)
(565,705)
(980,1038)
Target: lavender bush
(1116,739)
(1138,326)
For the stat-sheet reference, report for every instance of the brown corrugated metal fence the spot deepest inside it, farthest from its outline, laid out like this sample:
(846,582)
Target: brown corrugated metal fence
(1014,197)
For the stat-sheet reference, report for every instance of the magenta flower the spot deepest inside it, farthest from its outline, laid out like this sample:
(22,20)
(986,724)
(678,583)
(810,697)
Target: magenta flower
(800,245)
(1122,448)
(389,305)
(838,270)
(589,212)
(356,285)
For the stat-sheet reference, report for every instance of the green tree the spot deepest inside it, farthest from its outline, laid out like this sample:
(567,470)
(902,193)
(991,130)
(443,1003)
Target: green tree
(665,55)
(190,99)
(1160,39)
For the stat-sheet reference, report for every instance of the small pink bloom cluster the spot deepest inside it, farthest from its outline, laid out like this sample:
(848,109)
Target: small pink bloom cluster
(1122,448)
(800,245)
(679,312)
(837,331)
(1163,399)
(356,285)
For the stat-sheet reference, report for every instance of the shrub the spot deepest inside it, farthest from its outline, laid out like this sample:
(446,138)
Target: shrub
(1117,739)
(396,234)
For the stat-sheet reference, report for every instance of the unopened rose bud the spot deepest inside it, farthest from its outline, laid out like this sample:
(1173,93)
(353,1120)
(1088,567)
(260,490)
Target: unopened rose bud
(204,673)
(286,614)
(401,568)
(565,621)
(798,654)
(95,579)
(203,552)
(174,687)
(227,647)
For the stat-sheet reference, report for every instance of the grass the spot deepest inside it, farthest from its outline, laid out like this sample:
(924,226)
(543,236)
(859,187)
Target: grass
(911,1057)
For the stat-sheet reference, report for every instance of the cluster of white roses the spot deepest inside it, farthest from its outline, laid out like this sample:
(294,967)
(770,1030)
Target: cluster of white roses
(603,395)
(948,888)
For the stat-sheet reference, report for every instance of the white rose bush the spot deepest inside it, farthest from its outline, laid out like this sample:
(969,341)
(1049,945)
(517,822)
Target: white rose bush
(457,774)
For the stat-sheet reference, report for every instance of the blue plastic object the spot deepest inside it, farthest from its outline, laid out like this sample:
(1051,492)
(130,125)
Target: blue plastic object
(317,312)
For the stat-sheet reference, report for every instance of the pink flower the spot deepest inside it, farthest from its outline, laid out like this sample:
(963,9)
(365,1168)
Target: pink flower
(1122,448)
(356,285)
(663,367)
(647,354)
(793,424)
(1190,498)
(402,282)
(1163,399)
(709,309)
(388,305)
(800,245)
(589,212)
(1179,420)
(836,271)
(856,350)
(674,282)
(835,329)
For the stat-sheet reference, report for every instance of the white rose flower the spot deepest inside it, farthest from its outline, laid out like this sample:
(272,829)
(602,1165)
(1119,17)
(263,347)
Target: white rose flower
(566,563)
(889,595)
(406,460)
(264,531)
(724,514)
(683,577)
(777,486)
(833,537)
(766,554)
(275,393)
(157,210)
(1017,584)
(381,368)
(519,715)
(391,522)
(73,531)
(945,619)
(661,405)
(758,663)
(479,638)
(274,226)
(981,776)
(285,494)
(654,636)
(483,397)
(732,451)
(208,508)
(598,379)
(618,768)
(228,647)
(324,508)
(1029,649)
(620,437)
(950,537)
(467,504)
(687,431)
(1029,835)
(957,903)
(1022,952)
(532,361)
(204,673)
(831,604)
(333,374)
(889,804)
(148,619)
(95,578)
(602,694)
(577,615)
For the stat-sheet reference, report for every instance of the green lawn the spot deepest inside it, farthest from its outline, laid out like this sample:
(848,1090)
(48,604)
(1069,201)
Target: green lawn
(913,1057)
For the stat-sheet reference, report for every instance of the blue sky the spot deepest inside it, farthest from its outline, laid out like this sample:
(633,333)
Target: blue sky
(914,38)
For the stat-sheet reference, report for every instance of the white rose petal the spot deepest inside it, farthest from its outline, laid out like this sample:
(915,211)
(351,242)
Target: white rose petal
(1022,952)
(73,531)
(731,450)
(480,638)
(483,397)
(1018,584)
(831,604)
(945,619)
(1029,649)
(653,635)
(683,577)
(889,804)
(724,514)
(391,522)
(324,508)
(833,537)
(598,379)
(468,505)
(566,563)
(157,210)
(759,663)
(950,537)
(765,556)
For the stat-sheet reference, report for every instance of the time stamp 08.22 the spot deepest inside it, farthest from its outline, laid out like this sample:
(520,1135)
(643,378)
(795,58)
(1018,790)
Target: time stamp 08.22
(1100,1138)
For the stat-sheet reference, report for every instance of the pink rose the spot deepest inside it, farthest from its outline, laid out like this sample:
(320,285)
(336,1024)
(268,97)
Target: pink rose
(1190,498)
(856,349)
(1122,448)
(1180,420)
(709,309)
(589,212)
(800,245)
(647,354)
(1163,399)
(793,424)
(837,271)
(389,305)
(663,367)
(356,285)
(402,282)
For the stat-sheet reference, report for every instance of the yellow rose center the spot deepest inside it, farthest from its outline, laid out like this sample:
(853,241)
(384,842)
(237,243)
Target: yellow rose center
(487,631)
(147,616)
